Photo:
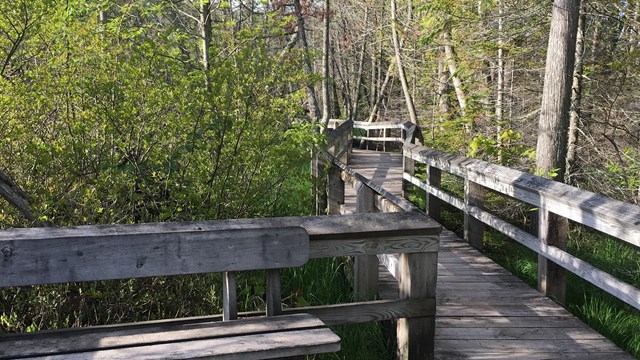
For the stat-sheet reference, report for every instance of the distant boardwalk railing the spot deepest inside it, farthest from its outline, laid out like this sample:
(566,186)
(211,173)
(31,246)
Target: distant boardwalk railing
(618,219)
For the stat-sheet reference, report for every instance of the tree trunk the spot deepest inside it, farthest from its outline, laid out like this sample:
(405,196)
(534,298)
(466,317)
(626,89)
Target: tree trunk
(443,87)
(576,100)
(500,90)
(450,58)
(205,34)
(359,75)
(403,79)
(385,83)
(14,195)
(314,109)
(552,135)
(556,97)
(326,106)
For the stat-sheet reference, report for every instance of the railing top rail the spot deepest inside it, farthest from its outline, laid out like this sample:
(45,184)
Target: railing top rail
(398,201)
(613,217)
(344,127)
(371,125)
(97,252)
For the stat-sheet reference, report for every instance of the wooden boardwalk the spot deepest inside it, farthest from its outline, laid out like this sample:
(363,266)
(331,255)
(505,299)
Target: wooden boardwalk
(483,311)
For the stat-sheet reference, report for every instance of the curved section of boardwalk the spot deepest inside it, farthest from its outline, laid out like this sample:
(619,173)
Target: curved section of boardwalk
(483,311)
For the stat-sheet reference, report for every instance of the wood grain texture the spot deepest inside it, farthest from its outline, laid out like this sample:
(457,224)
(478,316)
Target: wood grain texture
(473,228)
(389,245)
(417,279)
(378,310)
(334,227)
(146,333)
(247,347)
(475,293)
(365,273)
(480,301)
(612,217)
(229,296)
(273,292)
(88,253)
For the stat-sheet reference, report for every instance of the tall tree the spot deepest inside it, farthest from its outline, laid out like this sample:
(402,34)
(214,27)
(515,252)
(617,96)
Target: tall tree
(553,125)
(399,64)
(326,49)
(576,99)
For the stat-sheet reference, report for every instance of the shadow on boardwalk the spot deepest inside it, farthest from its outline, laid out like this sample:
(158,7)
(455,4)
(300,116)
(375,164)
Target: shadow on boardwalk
(483,311)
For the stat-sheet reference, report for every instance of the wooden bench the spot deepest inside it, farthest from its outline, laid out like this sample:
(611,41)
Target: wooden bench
(91,253)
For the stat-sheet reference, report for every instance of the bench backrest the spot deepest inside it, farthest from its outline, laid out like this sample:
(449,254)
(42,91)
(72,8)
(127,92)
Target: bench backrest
(89,253)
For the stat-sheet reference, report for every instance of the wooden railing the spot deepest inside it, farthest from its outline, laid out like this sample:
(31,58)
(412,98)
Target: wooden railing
(89,253)
(383,133)
(615,218)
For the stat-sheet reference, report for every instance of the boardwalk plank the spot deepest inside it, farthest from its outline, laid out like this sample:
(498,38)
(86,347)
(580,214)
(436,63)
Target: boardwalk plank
(483,311)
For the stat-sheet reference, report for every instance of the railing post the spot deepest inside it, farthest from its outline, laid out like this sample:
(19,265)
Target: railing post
(365,278)
(418,276)
(552,278)
(319,184)
(473,228)
(434,177)
(409,167)
(335,190)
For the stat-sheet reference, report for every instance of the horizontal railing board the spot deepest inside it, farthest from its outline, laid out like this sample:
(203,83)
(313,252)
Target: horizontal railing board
(330,227)
(380,139)
(387,245)
(612,217)
(105,253)
(448,198)
(581,268)
(378,310)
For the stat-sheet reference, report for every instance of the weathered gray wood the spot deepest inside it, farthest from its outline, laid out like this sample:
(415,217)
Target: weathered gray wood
(152,332)
(434,178)
(43,256)
(275,345)
(417,279)
(348,173)
(603,280)
(335,190)
(435,192)
(229,296)
(274,293)
(365,276)
(79,339)
(473,228)
(515,333)
(336,227)
(374,246)
(552,278)
(597,277)
(612,217)
(319,173)
(360,312)
(408,167)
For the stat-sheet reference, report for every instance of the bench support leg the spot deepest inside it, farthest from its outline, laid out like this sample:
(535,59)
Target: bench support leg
(229,297)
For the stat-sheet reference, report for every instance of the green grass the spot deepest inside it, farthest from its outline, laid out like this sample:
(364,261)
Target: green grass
(326,281)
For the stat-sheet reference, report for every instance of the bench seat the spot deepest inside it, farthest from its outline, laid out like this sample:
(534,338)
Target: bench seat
(256,338)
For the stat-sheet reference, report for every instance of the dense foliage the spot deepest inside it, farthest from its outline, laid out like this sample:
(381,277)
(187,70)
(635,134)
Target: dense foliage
(118,121)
